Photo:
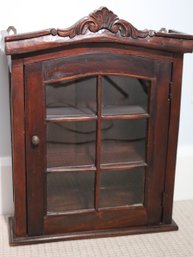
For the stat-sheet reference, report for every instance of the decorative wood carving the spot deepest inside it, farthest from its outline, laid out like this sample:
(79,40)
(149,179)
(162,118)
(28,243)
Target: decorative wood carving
(100,26)
(103,19)
(96,47)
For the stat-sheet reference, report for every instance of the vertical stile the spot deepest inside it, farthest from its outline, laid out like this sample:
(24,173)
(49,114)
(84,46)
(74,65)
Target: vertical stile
(98,142)
(149,136)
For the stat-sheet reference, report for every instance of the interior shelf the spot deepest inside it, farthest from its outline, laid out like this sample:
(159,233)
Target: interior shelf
(72,113)
(123,110)
(64,156)
(70,191)
(75,191)
(122,152)
(122,189)
(69,113)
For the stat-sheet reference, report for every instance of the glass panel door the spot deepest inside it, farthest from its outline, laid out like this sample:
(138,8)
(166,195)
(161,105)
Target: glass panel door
(70,191)
(124,130)
(98,157)
(71,145)
(123,141)
(123,95)
(96,143)
(123,188)
(74,98)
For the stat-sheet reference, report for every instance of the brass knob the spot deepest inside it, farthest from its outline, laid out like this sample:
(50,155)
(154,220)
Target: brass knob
(35,140)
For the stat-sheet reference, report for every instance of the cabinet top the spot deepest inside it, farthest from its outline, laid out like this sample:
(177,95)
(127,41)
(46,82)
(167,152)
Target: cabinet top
(101,26)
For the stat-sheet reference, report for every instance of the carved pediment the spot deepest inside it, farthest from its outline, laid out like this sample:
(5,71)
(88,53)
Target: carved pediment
(101,26)
(103,19)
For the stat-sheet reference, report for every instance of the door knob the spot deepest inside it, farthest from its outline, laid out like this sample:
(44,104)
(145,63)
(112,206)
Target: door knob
(35,140)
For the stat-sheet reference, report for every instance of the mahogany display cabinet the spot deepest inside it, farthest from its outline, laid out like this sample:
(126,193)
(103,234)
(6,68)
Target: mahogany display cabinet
(95,113)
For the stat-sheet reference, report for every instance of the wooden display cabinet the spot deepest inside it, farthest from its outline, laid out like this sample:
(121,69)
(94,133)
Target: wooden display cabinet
(95,112)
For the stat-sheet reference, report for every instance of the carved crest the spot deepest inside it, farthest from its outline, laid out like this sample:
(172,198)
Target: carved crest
(103,19)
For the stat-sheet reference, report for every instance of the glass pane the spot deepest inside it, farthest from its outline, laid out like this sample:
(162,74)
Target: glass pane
(71,98)
(70,191)
(123,141)
(121,188)
(71,143)
(124,95)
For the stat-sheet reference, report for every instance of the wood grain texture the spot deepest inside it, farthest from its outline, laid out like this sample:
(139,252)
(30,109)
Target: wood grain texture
(103,219)
(159,142)
(104,19)
(16,241)
(36,162)
(107,47)
(100,26)
(76,66)
(18,147)
(176,79)
(98,142)
(104,47)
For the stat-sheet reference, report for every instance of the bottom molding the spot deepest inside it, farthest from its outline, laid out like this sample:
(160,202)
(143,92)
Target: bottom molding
(14,241)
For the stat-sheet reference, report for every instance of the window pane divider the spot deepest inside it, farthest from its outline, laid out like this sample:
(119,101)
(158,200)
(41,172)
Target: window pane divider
(123,166)
(69,119)
(83,168)
(98,141)
(125,116)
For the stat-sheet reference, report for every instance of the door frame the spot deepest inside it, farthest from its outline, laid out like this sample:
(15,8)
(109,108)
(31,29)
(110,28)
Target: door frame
(39,73)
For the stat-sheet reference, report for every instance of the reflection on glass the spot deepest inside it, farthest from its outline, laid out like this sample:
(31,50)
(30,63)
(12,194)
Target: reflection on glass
(70,191)
(121,188)
(71,98)
(71,143)
(124,95)
(123,141)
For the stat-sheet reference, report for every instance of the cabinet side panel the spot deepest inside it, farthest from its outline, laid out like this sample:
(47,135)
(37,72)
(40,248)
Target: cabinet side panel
(172,138)
(158,163)
(18,147)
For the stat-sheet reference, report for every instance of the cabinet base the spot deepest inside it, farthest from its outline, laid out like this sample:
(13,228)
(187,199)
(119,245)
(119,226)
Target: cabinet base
(14,241)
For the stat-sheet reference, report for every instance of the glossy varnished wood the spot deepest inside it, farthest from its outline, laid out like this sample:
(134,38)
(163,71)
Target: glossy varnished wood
(35,154)
(172,138)
(98,145)
(16,241)
(104,219)
(112,63)
(99,46)
(131,66)
(159,142)
(18,147)
(115,30)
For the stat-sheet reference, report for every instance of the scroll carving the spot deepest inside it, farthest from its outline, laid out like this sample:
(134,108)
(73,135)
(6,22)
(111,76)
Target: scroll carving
(103,19)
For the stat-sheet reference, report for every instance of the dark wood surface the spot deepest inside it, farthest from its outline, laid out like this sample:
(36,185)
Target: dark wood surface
(103,219)
(16,241)
(35,155)
(104,30)
(114,63)
(159,142)
(114,76)
(172,138)
(18,147)
(115,152)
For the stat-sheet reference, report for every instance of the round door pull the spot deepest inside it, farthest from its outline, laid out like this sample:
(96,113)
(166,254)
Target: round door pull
(35,140)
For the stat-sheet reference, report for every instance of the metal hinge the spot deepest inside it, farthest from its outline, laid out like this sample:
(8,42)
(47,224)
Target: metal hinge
(170,93)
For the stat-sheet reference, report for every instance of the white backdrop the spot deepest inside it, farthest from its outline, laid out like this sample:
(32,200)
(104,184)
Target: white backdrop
(33,15)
